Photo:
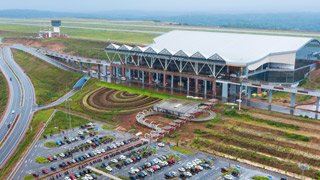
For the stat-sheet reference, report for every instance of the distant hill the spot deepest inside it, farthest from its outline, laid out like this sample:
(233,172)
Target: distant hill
(284,21)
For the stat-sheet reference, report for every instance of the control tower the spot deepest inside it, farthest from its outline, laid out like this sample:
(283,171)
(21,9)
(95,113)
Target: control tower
(56,26)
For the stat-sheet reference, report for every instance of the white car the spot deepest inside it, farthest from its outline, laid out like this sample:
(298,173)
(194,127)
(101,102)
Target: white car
(156,160)
(181,169)
(72,139)
(62,155)
(188,174)
(88,176)
(114,160)
(85,131)
(98,152)
(150,170)
(160,144)
(198,161)
(122,157)
(89,141)
(13,111)
(199,167)
(134,169)
(102,150)
(131,172)
(80,133)
(108,168)
(67,178)
(87,155)
(121,143)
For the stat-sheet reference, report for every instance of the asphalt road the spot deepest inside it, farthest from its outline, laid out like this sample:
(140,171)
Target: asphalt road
(22,102)
(19,92)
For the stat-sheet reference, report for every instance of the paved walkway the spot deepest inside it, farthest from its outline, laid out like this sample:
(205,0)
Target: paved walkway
(103,173)
(211,116)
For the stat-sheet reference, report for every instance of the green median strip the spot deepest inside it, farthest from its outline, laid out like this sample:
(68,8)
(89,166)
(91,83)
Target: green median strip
(182,150)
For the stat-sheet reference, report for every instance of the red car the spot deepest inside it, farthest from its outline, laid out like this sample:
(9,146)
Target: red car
(92,134)
(224,169)
(50,158)
(44,171)
(93,145)
(134,159)
(171,161)
(72,176)
(154,168)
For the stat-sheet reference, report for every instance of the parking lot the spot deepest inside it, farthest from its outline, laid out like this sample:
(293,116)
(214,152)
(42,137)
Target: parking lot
(131,154)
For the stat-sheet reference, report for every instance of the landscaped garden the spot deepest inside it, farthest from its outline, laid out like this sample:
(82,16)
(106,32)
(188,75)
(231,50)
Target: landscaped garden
(101,100)
(265,138)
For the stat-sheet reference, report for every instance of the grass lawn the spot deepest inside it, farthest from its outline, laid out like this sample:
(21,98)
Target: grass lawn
(181,150)
(49,81)
(84,48)
(59,120)
(28,177)
(40,159)
(50,144)
(36,124)
(14,34)
(128,37)
(3,93)
(108,127)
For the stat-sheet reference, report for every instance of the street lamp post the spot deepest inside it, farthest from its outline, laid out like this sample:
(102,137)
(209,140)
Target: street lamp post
(68,111)
(303,167)
(239,100)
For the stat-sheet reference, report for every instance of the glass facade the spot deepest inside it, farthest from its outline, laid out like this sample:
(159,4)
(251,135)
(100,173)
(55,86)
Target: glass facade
(304,58)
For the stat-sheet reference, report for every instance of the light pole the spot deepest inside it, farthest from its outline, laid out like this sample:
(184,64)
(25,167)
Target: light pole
(239,100)
(68,111)
(303,167)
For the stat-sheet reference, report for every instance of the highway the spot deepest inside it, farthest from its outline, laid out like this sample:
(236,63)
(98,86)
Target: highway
(22,102)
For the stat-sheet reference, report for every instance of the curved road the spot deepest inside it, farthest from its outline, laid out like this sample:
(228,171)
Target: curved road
(21,101)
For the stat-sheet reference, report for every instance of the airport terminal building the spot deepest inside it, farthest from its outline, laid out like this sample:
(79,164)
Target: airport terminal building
(276,59)
(208,64)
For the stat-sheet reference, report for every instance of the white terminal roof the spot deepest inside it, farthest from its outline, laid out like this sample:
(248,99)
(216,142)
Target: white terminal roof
(234,48)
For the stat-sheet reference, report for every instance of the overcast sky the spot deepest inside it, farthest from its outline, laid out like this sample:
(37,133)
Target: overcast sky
(214,6)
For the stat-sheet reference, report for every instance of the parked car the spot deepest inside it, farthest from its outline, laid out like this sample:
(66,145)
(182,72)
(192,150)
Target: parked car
(44,171)
(181,169)
(224,169)
(228,177)
(235,173)
(108,168)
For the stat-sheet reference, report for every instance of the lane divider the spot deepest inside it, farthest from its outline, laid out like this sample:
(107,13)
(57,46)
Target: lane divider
(19,81)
